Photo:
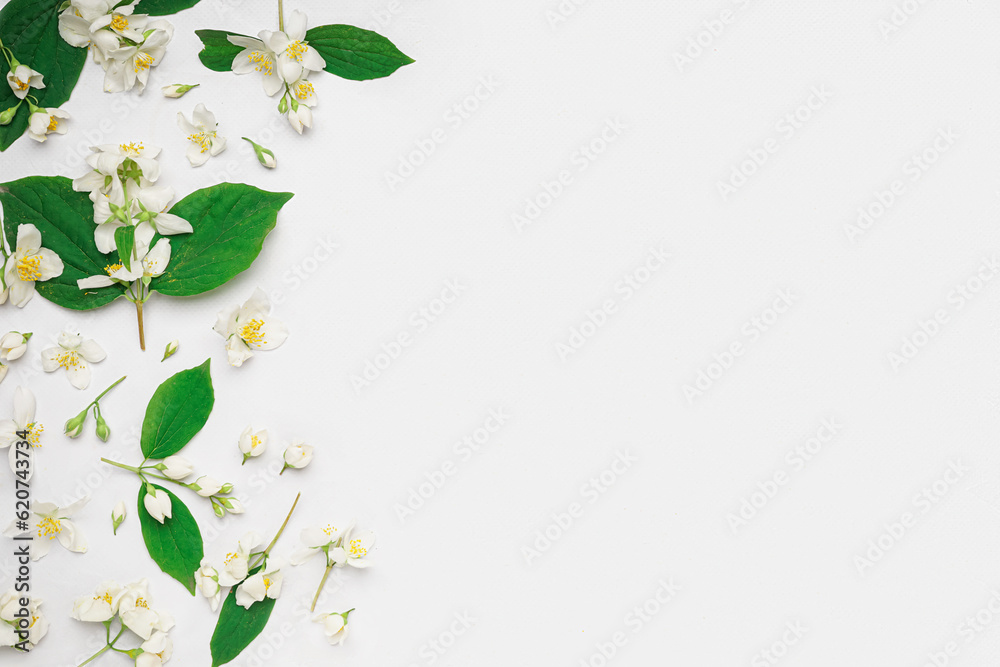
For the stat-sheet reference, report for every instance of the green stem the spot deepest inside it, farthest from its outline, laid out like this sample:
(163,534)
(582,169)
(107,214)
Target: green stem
(123,466)
(95,656)
(266,551)
(101,395)
(281,16)
(322,583)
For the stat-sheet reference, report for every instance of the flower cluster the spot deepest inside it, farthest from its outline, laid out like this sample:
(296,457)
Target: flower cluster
(250,327)
(25,264)
(131,605)
(264,582)
(22,78)
(177,468)
(126,45)
(285,61)
(19,631)
(13,345)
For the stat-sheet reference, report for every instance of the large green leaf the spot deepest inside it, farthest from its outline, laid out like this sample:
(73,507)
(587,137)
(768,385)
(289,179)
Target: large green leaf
(30,29)
(355,53)
(175,545)
(163,7)
(218,53)
(237,627)
(179,408)
(65,220)
(230,222)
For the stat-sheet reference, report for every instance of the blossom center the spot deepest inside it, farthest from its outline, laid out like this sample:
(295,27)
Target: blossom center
(106,597)
(119,22)
(53,124)
(111,268)
(142,62)
(304,90)
(357,550)
(131,149)
(29,268)
(21,85)
(295,50)
(267,584)
(49,527)
(251,332)
(329,530)
(201,139)
(34,430)
(262,61)
(254,442)
(68,359)
(230,557)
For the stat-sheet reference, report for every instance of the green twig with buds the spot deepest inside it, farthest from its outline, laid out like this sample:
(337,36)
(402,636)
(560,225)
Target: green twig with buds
(74,427)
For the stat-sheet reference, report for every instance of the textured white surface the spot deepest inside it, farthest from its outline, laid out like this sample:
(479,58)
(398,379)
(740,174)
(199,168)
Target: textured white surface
(553,89)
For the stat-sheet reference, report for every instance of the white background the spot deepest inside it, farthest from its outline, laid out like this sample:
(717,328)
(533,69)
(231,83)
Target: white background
(465,551)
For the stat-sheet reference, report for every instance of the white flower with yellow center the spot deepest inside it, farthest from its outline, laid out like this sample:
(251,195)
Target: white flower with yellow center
(207,579)
(28,264)
(250,327)
(47,522)
(334,626)
(202,133)
(13,345)
(155,651)
(79,15)
(134,607)
(123,23)
(22,423)
(297,455)
(294,53)
(315,540)
(128,66)
(256,57)
(135,158)
(265,583)
(237,563)
(21,78)
(44,122)
(101,606)
(11,615)
(252,444)
(74,354)
(353,549)
(304,92)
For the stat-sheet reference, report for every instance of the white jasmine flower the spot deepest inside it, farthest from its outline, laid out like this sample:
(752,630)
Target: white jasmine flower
(175,467)
(128,66)
(256,57)
(29,263)
(155,651)
(153,201)
(252,444)
(48,522)
(110,213)
(294,53)
(303,92)
(250,327)
(353,549)
(10,619)
(23,421)
(117,516)
(44,122)
(107,158)
(202,132)
(99,607)
(13,345)
(157,503)
(265,583)
(121,22)
(147,263)
(334,626)
(298,455)
(237,563)
(207,486)
(315,540)
(176,90)
(21,78)
(207,578)
(74,354)
(137,613)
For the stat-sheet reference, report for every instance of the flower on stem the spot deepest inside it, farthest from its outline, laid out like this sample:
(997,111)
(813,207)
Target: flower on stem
(12,618)
(294,55)
(135,160)
(73,353)
(237,563)
(250,327)
(22,423)
(152,202)
(232,505)
(170,350)
(207,578)
(156,650)
(176,90)
(264,155)
(13,345)
(28,264)
(147,263)
(299,116)
(252,444)
(43,122)
(101,606)
(265,583)
(315,540)
(206,486)
(334,626)
(117,516)
(136,612)
(353,549)
(256,57)
(21,78)
(298,455)
(47,522)
(202,132)
(157,503)
(175,467)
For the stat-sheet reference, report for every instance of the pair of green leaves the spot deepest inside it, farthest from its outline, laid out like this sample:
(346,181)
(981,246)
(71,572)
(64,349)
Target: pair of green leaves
(178,409)
(350,52)
(30,29)
(230,222)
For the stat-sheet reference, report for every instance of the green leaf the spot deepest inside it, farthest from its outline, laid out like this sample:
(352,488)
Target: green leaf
(179,408)
(125,242)
(230,222)
(175,545)
(65,220)
(355,53)
(237,627)
(162,7)
(218,53)
(30,28)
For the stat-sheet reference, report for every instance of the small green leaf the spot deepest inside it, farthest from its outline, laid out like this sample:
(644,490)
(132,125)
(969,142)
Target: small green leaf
(179,408)
(355,53)
(30,29)
(163,7)
(175,545)
(237,627)
(125,240)
(65,220)
(218,53)
(230,222)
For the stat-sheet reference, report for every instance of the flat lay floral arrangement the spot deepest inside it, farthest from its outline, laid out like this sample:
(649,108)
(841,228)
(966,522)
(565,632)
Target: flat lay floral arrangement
(117,229)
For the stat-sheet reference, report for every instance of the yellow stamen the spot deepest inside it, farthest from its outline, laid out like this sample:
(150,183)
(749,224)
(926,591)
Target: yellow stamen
(357,550)
(119,22)
(251,333)
(201,139)
(230,557)
(21,85)
(49,527)
(34,430)
(267,583)
(142,61)
(106,597)
(53,123)
(304,90)
(295,50)
(254,442)
(131,149)
(29,268)
(329,530)
(69,359)
(262,61)
(141,602)
(111,268)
